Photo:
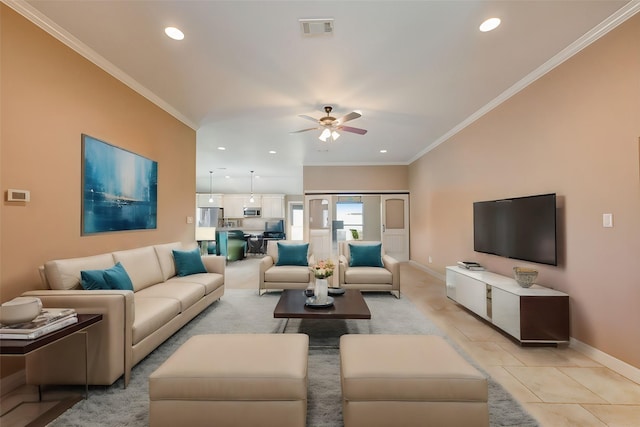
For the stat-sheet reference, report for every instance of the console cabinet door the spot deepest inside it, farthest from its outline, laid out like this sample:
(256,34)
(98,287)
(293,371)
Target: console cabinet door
(470,293)
(506,311)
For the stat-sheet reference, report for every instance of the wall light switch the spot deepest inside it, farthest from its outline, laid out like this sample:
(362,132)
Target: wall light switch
(189,220)
(607,220)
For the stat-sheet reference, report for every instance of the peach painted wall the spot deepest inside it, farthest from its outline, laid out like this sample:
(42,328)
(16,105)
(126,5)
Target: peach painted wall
(574,132)
(356,178)
(50,95)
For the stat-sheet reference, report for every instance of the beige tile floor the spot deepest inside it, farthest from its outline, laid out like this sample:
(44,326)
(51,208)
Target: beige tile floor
(559,386)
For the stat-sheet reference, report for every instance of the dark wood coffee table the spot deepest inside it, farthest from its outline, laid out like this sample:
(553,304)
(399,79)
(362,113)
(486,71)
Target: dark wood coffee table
(350,305)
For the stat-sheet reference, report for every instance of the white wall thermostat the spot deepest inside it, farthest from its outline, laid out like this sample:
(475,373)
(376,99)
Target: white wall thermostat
(18,195)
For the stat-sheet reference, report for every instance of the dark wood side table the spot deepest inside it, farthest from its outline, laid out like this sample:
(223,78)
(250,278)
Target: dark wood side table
(10,347)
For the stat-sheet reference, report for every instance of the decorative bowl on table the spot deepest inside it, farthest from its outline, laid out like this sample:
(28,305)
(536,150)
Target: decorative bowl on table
(20,310)
(315,302)
(336,291)
(525,276)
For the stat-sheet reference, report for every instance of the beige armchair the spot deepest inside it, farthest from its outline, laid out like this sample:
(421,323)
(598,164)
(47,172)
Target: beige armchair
(365,276)
(277,272)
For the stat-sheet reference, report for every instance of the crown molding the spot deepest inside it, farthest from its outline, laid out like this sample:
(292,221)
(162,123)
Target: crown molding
(40,20)
(613,21)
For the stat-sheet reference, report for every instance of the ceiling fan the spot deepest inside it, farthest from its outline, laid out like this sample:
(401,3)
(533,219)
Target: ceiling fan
(331,125)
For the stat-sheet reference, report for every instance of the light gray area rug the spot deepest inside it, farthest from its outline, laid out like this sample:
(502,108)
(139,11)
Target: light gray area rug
(243,311)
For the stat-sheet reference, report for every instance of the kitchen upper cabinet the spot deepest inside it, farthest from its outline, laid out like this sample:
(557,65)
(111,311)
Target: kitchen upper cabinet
(202,200)
(272,206)
(233,205)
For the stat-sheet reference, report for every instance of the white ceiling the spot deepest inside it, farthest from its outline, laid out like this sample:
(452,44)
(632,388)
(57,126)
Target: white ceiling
(417,70)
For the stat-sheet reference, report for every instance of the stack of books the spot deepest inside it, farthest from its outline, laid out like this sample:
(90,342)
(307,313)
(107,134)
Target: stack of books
(470,265)
(49,320)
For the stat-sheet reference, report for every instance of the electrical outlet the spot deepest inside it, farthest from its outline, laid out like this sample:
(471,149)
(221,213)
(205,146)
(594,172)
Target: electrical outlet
(607,220)
(189,220)
(430,260)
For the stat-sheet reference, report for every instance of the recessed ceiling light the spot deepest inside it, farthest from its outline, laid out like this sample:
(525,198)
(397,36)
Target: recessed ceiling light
(227,176)
(222,148)
(383,151)
(489,24)
(272,152)
(174,33)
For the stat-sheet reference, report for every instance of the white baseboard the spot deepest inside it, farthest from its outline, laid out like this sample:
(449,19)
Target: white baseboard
(607,360)
(13,381)
(616,365)
(427,270)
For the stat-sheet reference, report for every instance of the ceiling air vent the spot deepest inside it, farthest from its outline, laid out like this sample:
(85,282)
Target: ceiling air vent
(316,27)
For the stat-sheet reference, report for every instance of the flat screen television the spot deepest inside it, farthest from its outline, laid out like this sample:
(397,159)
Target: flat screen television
(522,228)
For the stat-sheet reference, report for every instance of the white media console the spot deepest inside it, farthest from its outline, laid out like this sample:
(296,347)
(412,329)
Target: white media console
(530,315)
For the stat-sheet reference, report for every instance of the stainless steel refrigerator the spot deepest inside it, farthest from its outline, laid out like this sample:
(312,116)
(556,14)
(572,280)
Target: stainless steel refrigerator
(210,217)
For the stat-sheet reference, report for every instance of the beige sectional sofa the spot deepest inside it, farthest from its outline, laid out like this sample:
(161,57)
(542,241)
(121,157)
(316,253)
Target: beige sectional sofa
(135,322)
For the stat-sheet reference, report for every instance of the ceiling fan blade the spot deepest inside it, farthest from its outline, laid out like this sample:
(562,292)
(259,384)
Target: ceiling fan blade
(304,116)
(352,115)
(354,130)
(304,130)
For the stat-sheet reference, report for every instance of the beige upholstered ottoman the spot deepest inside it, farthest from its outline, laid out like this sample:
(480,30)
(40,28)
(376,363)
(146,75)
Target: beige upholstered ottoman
(409,380)
(232,380)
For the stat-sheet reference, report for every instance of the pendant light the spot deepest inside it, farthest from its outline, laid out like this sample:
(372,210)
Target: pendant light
(210,186)
(251,199)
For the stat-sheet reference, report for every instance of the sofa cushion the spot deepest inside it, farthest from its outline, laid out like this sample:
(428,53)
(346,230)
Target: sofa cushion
(293,254)
(365,255)
(188,262)
(210,281)
(288,274)
(117,278)
(368,275)
(186,293)
(151,314)
(142,265)
(64,274)
(165,258)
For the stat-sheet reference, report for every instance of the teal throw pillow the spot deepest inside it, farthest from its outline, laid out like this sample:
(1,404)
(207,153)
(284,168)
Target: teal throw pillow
(93,280)
(366,255)
(117,278)
(188,262)
(293,254)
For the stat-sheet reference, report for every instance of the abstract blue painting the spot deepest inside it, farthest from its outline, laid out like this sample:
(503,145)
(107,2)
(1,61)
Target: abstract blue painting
(119,189)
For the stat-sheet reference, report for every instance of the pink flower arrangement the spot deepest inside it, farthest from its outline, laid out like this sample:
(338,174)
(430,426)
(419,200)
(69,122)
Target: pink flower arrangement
(323,269)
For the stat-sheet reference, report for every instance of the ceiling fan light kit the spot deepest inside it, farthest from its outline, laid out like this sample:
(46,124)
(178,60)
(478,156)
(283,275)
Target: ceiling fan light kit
(328,134)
